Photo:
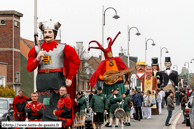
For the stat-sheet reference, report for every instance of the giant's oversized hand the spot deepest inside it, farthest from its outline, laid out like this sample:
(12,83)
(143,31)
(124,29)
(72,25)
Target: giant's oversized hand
(40,54)
(68,82)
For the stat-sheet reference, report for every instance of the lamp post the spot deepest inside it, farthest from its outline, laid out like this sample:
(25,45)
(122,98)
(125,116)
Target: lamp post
(128,31)
(176,67)
(188,69)
(161,55)
(103,24)
(146,42)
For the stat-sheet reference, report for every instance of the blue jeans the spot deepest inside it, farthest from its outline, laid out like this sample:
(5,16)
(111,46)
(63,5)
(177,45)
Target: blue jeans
(183,108)
(162,102)
(169,116)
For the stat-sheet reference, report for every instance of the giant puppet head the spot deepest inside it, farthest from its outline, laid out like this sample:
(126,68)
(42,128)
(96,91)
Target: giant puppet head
(107,51)
(149,71)
(155,65)
(49,30)
(167,63)
(140,66)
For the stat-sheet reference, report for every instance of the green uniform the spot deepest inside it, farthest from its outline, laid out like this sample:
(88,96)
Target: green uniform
(98,103)
(113,102)
(108,88)
(81,104)
(108,101)
(127,101)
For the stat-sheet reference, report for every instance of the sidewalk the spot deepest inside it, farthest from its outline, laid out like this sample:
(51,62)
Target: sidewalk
(179,124)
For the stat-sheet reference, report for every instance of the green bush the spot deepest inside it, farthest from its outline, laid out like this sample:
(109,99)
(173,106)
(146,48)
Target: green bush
(7,92)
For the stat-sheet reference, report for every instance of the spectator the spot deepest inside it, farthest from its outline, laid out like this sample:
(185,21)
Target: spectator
(191,91)
(132,108)
(147,105)
(183,101)
(137,103)
(166,95)
(163,96)
(81,107)
(177,96)
(159,100)
(170,107)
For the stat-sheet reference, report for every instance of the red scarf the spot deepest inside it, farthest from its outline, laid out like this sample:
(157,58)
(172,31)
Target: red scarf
(140,79)
(49,46)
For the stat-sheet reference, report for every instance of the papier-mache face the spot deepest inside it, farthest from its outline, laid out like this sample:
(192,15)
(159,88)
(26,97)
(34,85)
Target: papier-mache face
(168,64)
(48,35)
(140,69)
(149,71)
(155,67)
(109,55)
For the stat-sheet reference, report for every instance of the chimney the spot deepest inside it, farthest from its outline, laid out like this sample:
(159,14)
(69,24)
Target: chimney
(79,48)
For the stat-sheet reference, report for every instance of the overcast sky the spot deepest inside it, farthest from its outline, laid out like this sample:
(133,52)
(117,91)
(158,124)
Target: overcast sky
(170,23)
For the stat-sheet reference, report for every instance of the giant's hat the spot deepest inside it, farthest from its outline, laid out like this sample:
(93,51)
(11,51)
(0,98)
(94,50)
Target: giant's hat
(140,63)
(154,61)
(167,59)
(49,25)
(101,48)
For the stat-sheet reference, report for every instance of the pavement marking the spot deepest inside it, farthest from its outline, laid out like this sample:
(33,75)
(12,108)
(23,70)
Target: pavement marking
(174,116)
(176,120)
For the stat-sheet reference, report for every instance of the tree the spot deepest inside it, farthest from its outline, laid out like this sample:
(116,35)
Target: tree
(192,81)
(7,92)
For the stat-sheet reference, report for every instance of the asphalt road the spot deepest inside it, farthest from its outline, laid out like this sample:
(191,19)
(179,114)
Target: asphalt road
(156,122)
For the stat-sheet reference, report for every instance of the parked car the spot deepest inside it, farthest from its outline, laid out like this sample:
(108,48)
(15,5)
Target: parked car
(6,109)
(188,108)
(191,114)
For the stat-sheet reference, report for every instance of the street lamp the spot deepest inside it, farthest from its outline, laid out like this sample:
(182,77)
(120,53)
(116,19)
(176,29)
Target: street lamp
(161,55)
(188,69)
(138,34)
(103,24)
(176,67)
(191,60)
(146,42)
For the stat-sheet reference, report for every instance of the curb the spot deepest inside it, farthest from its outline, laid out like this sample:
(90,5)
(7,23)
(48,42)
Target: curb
(173,120)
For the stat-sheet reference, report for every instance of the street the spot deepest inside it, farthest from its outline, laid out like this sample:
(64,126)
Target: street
(156,122)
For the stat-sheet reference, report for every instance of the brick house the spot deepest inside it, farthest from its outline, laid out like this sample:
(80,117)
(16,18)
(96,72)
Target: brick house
(10,46)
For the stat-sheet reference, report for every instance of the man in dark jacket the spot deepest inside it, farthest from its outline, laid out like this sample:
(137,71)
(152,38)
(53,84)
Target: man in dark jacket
(114,101)
(183,102)
(126,107)
(64,110)
(19,103)
(108,104)
(81,107)
(98,104)
(137,103)
(35,109)
(170,107)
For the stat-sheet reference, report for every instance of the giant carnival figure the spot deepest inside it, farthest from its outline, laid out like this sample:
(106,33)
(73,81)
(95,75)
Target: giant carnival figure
(110,66)
(156,72)
(137,79)
(57,66)
(170,77)
(150,83)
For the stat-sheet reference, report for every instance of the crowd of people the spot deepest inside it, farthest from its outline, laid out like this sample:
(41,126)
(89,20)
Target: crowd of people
(137,105)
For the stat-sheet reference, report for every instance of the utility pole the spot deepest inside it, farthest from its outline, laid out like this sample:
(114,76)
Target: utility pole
(35,31)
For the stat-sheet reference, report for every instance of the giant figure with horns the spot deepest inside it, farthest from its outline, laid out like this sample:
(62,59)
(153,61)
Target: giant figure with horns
(58,68)
(110,63)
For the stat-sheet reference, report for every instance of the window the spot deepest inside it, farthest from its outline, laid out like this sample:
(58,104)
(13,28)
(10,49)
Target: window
(2,22)
(16,23)
(3,104)
(2,80)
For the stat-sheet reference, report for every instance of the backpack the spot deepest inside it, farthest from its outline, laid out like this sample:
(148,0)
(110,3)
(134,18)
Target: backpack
(153,101)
